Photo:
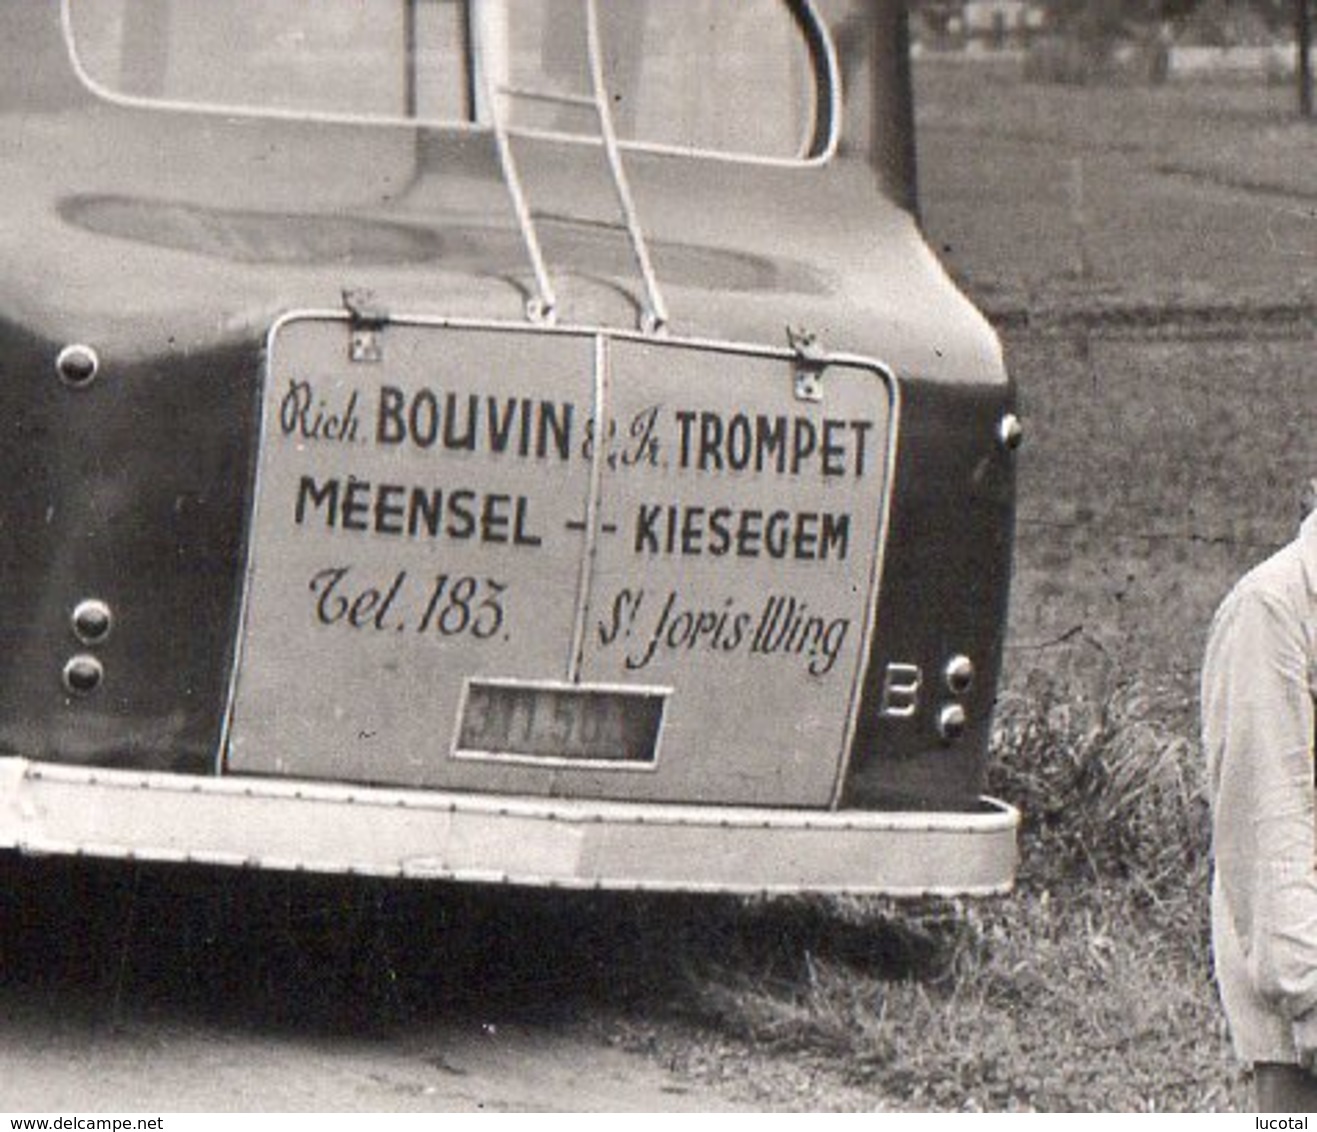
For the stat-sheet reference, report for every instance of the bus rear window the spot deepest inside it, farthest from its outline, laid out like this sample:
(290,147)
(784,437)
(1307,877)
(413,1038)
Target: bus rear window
(752,79)
(334,57)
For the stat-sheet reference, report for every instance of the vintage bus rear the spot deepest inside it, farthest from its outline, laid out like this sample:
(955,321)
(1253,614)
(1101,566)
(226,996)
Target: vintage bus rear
(517,441)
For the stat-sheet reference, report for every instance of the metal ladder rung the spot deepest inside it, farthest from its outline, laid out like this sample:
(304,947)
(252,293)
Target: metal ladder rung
(543,307)
(561,98)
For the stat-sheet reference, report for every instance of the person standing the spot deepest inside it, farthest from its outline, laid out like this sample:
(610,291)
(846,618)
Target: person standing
(1258,726)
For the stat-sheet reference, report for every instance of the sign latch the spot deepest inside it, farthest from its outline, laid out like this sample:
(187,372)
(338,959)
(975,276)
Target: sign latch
(367,319)
(811,358)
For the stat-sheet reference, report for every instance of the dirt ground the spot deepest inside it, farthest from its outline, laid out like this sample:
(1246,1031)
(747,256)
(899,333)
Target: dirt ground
(127,988)
(68,1062)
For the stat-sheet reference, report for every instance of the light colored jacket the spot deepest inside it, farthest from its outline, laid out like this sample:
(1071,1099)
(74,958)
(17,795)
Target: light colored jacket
(1258,688)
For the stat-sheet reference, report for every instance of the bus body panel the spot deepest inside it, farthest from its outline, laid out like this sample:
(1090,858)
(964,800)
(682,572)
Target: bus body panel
(167,246)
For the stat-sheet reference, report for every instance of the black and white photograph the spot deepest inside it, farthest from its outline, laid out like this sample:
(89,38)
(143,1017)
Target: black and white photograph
(657,556)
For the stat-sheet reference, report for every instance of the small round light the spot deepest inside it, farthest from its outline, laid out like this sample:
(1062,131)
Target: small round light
(1010,432)
(83,675)
(951,722)
(92,621)
(77,366)
(959,675)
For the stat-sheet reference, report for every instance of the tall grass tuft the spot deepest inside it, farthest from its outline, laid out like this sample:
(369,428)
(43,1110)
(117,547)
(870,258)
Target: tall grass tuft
(1108,793)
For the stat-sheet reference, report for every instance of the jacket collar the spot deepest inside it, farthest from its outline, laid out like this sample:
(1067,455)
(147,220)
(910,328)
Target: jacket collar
(1307,542)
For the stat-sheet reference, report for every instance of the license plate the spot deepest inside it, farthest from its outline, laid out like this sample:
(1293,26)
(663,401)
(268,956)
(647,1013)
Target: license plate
(559,724)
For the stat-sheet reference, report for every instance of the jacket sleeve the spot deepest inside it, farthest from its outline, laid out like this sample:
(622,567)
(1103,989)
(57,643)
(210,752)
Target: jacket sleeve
(1259,707)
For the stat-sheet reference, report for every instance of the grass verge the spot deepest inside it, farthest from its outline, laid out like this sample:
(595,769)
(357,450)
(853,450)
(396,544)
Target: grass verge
(1089,989)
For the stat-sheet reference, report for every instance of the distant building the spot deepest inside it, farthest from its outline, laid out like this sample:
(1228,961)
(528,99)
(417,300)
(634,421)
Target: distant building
(984,24)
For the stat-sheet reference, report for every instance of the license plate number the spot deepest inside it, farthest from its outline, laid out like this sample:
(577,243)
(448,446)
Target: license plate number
(541,723)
